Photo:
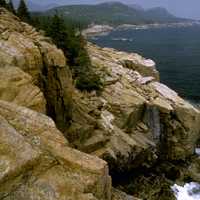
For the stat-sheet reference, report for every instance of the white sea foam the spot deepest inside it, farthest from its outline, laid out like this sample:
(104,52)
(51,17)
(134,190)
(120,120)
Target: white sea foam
(190,191)
(123,39)
(197,151)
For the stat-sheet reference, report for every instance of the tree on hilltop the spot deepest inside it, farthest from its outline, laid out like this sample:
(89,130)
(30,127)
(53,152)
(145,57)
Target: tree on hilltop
(10,7)
(3,3)
(23,12)
(73,44)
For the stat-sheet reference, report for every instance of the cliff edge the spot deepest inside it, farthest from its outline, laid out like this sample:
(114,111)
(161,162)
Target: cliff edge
(36,161)
(134,124)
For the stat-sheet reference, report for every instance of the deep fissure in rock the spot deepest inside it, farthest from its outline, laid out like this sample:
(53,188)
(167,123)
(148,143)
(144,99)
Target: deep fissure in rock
(55,83)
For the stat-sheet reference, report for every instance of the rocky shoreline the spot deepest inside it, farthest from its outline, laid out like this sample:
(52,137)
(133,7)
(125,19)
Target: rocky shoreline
(98,30)
(132,140)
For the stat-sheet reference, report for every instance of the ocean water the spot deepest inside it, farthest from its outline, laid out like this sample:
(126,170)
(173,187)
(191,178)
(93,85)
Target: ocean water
(176,50)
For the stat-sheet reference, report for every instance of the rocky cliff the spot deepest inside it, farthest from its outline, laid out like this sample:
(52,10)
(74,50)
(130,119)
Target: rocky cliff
(36,161)
(135,125)
(136,112)
(40,70)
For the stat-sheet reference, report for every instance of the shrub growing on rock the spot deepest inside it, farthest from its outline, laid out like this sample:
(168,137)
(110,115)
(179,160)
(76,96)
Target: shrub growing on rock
(23,12)
(73,44)
(3,3)
(10,7)
(88,81)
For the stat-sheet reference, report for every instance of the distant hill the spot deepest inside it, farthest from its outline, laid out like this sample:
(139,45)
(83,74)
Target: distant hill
(35,6)
(114,13)
(136,6)
(160,14)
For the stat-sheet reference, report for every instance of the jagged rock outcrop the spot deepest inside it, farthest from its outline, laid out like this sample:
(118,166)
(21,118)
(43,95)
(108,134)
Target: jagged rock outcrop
(135,122)
(18,87)
(44,69)
(36,160)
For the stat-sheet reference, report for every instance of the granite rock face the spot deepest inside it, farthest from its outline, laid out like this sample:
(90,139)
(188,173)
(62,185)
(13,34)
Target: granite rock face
(133,123)
(135,120)
(44,72)
(36,160)
(18,87)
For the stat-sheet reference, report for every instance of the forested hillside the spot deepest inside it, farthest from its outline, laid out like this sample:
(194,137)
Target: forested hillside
(114,13)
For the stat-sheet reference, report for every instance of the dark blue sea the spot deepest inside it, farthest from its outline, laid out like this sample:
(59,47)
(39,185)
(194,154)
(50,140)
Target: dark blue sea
(176,50)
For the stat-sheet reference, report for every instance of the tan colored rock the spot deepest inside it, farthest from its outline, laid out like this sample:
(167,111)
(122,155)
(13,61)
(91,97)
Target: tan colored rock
(163,105)
(166,92)
(122,103)
(132,96)
(130,123)
(118,195)
(17,86)
(20,51)
(16,156)
(187,129)
(21,46)
(36,162)
(146,67)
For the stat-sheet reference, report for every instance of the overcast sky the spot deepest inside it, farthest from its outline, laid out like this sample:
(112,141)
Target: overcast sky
(182,8)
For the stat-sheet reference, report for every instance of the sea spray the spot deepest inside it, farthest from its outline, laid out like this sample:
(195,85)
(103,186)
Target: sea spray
(190,191)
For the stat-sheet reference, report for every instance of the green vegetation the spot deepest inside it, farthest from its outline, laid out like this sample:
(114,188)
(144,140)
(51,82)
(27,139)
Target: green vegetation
(43,18)
(67,37)
(113,13)
(10,7)
(23,12)
(3,3)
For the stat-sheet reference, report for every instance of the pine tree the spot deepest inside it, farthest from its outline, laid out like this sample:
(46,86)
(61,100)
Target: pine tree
(11,7)
(57,30)
(23,12)
(73,46)
(3,3)
(59,34)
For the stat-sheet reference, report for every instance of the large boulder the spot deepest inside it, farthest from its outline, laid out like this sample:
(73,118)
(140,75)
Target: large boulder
(180,125)
(17,86)
(36,162)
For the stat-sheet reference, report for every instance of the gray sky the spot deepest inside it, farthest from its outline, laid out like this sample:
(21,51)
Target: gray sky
(182,8)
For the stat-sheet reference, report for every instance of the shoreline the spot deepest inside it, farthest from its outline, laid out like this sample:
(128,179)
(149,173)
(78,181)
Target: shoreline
(100,30)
